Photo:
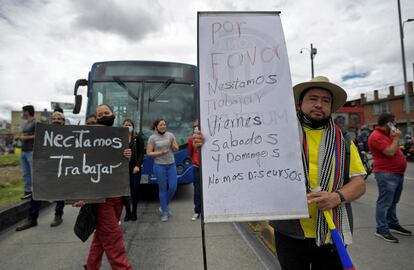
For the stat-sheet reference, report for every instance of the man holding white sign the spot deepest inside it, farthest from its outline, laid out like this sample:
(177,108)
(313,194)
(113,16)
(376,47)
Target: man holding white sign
(334,178)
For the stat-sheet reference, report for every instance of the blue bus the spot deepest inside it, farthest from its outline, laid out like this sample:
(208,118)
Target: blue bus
(144,91)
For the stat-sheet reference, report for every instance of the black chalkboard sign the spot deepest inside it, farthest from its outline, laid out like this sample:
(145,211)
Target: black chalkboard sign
(79,162)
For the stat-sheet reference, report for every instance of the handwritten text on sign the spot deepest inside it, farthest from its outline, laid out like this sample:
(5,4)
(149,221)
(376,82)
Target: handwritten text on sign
(251,158)
(74,160)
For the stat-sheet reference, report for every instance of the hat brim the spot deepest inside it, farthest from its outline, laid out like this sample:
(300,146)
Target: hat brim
(339,95)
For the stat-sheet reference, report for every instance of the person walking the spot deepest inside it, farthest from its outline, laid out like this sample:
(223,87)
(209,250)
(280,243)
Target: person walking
(108,235)
(27,141)
(194,153)
(161,146)
(58,118)
(136,144)
(334,178)
(389,168)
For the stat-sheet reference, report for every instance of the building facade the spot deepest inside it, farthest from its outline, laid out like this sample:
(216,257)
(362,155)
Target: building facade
(391,103)
(17,121)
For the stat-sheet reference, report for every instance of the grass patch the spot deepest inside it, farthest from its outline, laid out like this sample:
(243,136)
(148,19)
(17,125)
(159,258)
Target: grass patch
(10,192)
(9,160)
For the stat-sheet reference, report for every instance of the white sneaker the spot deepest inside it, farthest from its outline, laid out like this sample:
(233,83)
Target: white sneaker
(160,211)
(195,217)
(164,218)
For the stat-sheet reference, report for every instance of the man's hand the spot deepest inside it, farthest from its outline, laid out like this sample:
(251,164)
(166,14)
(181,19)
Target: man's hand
(135,169)
(324,200)
(79,204)
(396,134)
(127,153)
(198,139)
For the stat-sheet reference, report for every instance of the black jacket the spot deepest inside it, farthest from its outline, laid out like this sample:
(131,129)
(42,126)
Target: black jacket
(137,148)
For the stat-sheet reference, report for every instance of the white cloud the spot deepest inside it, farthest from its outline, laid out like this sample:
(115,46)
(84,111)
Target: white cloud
(131,21)
(45,46)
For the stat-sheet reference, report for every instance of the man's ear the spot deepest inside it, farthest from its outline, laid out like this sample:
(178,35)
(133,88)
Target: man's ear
(298,105)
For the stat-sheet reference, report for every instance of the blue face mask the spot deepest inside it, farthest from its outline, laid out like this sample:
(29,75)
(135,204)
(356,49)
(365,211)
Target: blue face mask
(130,129)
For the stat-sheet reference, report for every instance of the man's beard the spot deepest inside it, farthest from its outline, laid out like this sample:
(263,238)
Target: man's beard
(311,122)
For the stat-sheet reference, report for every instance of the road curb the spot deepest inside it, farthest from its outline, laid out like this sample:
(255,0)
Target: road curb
(13,214)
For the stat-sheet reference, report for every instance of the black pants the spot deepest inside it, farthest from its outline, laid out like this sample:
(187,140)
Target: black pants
(197,190)
(134,183)
(297,254)
(35,208)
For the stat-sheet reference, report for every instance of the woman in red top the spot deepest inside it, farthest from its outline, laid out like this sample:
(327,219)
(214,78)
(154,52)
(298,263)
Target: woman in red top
(193,152)
(108,235)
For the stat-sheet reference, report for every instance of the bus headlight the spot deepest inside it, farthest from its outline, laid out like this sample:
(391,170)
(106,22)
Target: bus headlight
(180,169)
(187,162)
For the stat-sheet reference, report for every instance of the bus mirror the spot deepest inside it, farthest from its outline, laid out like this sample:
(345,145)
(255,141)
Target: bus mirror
(78,104)
(78,98)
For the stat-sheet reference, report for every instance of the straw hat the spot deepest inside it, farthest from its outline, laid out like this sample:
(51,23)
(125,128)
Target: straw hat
(338,93)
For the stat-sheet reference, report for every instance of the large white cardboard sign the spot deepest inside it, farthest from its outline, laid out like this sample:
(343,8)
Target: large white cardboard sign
(251,161)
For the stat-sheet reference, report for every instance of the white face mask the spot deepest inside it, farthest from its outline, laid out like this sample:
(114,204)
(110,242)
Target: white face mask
(130,129)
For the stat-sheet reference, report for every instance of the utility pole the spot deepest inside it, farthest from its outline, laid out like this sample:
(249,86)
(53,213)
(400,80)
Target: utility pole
(313,51)
(407,96)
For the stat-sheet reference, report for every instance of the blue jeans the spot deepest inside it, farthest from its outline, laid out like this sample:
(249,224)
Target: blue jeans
(390,186)
(34,208)
(197,190)
(167,184)
(26,160)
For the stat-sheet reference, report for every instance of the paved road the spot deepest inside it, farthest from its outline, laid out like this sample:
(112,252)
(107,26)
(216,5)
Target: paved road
(368,251)
(150,243)
(177,244)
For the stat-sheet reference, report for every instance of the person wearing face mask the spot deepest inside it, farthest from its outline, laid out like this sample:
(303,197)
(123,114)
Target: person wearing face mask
(136,144)
(57,119)
(161,146)
(108,237)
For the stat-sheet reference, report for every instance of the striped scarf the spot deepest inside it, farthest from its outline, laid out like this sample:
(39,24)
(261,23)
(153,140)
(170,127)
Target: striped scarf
(331,162)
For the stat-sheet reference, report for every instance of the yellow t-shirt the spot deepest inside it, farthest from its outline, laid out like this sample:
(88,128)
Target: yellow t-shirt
(313,138)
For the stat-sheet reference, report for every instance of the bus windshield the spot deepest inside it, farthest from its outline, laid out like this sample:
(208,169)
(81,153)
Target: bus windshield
(145,91)
(144,102)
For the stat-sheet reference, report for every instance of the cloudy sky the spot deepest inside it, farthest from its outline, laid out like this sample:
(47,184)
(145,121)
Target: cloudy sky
(45,45)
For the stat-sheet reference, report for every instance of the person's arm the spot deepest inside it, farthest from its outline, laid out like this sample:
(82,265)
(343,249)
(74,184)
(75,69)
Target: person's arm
(198,139)
(139,150)
(190,146)
(324,200)
(394,146)
(152,153)
(174,145)
(25,138)
(127,153)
